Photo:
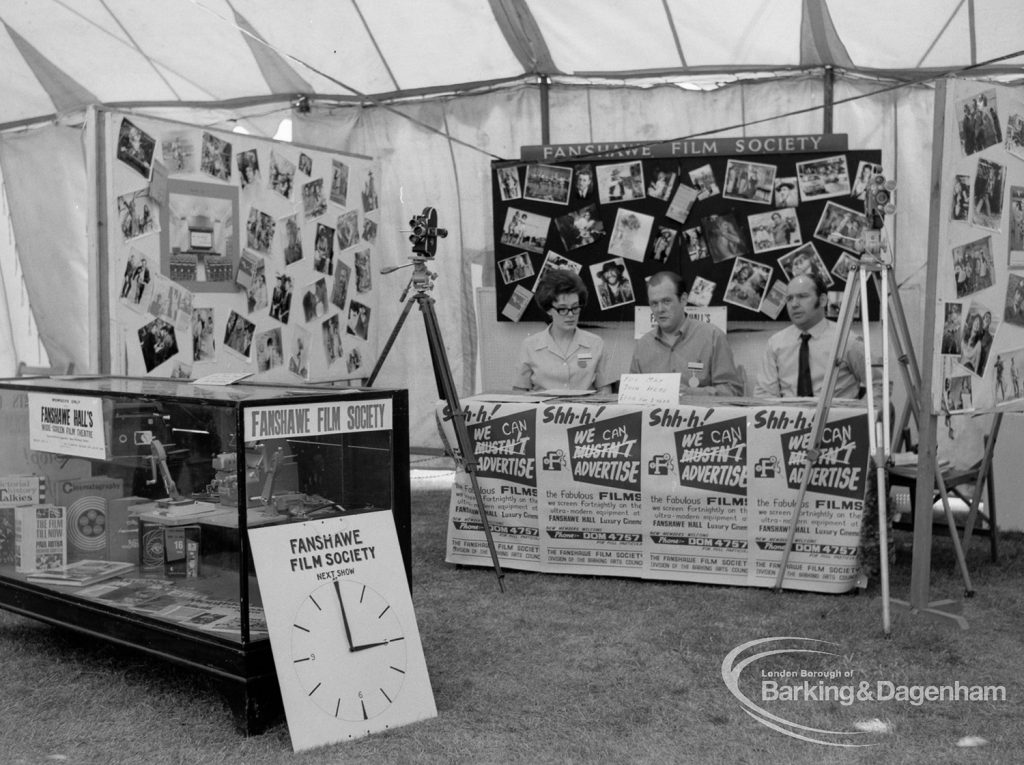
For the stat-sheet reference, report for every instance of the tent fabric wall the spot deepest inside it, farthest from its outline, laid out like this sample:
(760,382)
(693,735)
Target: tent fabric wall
(46,169)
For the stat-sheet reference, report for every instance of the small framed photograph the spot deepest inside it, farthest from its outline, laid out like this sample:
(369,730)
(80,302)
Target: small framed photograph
(786,193)
(630,234)
(525,229)
(508,183)
(842,226)
(823,178)
(662,180)
(846,263)
(700,292)
(973,267)
(748,284)
(989,184)
(724,237)
(703,179)
(612,283)
(547,183)
(158,343)
(238,333)
(516,268)
(135,147)
(749,181)
(620,182)
(774,230)
(553,261)
(805,261)
(578,228)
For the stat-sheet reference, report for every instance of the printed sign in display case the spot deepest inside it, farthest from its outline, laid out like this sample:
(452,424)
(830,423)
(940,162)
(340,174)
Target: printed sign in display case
(126,506)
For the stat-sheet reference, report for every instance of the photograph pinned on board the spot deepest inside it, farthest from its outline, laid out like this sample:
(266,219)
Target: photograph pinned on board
(978,121)
(584,187)
(952,329)
(339,290)
(664,244)
(517,302)
(960,203)
(256,298)
(958,393)
(525,229)
(681,204)
(292,235)
(135,147)
(135,285)
(179,151)
(281,298)
(249,264)
(701,292)
(834,304)
(354,360)
(989,183)
(157,342)
(842,226)
(339,183)
(508,183)
(695,244)
(330,334)
(551,262)
(323,249)
(630,234)
(169,300)
(238,333)
(703,179)
(774,300)
(1013,312)
(774,230)
(298,359)
(1015,238)
(515,268)
(204,345)
(724,237)
(786,194)
(282,174)
(620,182)
(305,164)
(973,266)
(805,261)
(369,196)
(248,162)
(612,283)
(1008,376)
(180,371)
(747,284)
(662,180)
(259,230)
(823,178)
(364,278)
(979,331)
(215,157)
(269,353)
(865,177)
(547,183)
(314,300)
(314,203)
(749,181)
(138,214)
(369,231)
(578,228)
(846,263)
(358,320)
(1014,143)
(348,229)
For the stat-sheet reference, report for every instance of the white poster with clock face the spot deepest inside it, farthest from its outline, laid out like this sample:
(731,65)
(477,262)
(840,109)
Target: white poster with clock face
(342,628)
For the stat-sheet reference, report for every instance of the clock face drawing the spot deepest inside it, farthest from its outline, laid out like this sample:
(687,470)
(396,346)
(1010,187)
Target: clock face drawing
(348,650)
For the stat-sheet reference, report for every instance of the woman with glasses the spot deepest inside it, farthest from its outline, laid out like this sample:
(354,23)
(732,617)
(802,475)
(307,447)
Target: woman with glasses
(563,356)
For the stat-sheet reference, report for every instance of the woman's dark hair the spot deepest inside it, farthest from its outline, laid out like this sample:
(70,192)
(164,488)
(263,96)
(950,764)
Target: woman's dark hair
(559,281)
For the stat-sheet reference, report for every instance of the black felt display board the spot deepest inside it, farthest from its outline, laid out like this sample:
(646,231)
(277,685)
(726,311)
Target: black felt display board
(538,211)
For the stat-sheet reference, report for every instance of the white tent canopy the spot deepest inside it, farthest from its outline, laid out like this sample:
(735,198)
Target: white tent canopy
(438,88)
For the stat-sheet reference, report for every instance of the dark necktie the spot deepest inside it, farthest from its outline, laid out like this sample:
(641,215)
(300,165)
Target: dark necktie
(803,379)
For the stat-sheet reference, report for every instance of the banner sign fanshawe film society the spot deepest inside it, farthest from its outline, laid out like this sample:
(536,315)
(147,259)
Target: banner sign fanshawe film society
(685,493)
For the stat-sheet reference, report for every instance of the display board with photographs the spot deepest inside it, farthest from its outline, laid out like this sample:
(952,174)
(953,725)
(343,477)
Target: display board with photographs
(740,226)
(233,253)
(979,306)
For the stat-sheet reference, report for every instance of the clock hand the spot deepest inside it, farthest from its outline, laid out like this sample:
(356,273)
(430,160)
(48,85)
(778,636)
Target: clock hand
(344,616)
(369,645)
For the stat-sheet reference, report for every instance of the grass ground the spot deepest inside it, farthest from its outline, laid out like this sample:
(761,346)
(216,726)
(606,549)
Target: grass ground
(562,669)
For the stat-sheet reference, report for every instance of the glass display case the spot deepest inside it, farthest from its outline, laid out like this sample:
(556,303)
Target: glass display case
(125,504)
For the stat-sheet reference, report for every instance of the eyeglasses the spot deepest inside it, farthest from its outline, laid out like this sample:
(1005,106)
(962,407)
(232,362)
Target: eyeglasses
(567,310)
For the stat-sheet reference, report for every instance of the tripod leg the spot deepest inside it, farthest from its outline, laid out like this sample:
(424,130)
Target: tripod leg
(391,341)
(443,372)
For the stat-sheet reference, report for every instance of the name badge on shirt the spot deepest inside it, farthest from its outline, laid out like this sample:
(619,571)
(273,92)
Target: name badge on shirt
(694,367)
(583,359)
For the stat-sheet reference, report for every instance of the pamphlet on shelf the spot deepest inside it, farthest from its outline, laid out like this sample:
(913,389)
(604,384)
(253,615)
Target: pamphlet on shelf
(81,573)
(222,378)
(174,515)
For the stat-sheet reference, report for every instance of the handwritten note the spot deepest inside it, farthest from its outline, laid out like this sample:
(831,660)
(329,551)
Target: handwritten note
(649,390)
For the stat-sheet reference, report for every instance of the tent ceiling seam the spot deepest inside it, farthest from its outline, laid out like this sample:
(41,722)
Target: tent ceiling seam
(675,32)
(523,36)
(376,47)
(941,32)
(138,48)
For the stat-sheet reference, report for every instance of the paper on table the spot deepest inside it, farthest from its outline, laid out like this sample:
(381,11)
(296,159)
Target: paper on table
(650,389)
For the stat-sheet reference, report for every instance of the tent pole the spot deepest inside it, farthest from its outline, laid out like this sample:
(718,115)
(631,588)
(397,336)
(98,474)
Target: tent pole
(828,87)
(545,110)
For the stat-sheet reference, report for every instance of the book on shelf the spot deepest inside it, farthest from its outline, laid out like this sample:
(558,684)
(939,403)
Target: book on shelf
(40,538)
(82,573)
